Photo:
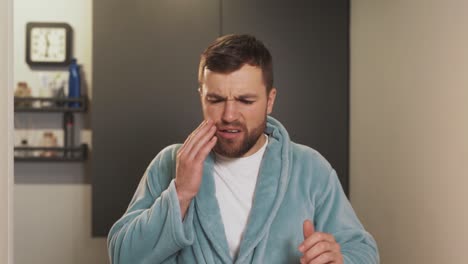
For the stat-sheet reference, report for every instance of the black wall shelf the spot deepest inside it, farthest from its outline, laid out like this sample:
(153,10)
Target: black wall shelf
(24,104)
(23,154)
(67,106)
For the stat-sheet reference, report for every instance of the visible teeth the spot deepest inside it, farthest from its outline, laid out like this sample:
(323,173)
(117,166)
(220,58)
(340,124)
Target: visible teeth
(232,131)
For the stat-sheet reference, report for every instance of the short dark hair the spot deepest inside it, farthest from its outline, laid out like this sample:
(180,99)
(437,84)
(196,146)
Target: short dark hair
(230,52)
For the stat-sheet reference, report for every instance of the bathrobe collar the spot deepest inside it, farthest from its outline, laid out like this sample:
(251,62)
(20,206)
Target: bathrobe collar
(269,192)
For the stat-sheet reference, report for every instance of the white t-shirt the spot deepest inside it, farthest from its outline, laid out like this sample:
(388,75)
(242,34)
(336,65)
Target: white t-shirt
(235,180)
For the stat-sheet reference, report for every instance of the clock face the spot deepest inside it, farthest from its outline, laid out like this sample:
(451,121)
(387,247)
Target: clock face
(48,44)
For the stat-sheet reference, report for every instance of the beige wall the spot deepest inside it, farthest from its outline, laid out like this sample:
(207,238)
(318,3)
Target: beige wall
(6,136)
(409,127)
(53,225)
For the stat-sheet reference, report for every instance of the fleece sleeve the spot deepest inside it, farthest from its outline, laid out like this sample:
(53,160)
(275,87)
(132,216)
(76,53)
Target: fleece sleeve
(335,215)
(151,230)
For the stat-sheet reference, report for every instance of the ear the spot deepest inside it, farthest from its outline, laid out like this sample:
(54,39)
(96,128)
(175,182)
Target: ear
(271,100)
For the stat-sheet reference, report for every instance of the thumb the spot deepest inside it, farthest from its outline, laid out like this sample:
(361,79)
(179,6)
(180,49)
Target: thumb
(308,228)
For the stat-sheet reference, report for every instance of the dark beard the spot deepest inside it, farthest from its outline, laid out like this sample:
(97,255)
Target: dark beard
(226,147)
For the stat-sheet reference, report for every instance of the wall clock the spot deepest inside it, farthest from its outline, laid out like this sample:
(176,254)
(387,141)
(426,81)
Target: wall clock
(48,44)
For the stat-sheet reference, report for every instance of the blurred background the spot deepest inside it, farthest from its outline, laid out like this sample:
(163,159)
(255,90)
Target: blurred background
(378,87)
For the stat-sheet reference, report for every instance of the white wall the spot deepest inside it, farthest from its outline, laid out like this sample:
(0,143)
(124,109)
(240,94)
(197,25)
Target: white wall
(409,127)
(53,216)
(6,136)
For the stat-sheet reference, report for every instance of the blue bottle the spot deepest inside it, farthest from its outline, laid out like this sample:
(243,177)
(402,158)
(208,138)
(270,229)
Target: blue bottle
(74,83)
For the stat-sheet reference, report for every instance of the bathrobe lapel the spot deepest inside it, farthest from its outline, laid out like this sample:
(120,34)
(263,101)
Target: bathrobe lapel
(207,210)
(269,191)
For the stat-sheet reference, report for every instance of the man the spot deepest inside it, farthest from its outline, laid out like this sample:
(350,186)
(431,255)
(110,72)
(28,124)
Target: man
(238,190)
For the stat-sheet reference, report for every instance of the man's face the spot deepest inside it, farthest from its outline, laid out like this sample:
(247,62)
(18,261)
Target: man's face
(238,104)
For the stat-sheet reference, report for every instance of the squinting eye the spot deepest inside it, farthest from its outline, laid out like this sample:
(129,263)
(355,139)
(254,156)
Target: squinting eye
(247,102)
(214,101)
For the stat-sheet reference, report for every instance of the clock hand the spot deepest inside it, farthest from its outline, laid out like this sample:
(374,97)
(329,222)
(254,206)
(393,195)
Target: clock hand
(47,45)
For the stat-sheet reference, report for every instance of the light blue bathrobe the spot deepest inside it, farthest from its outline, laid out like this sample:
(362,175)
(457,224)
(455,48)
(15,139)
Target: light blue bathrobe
(295,183)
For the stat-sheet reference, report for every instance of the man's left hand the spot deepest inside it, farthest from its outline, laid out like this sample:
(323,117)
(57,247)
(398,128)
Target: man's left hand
(318,247)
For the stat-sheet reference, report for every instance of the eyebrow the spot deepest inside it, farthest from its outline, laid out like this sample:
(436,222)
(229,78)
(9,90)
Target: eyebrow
(241,97)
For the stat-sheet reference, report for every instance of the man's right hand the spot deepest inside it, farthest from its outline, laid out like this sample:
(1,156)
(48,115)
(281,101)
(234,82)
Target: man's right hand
(190,159)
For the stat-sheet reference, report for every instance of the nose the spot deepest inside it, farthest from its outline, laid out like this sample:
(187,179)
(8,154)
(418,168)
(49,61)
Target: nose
(230,112)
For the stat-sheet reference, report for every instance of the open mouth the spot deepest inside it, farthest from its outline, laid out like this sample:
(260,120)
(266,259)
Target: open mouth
(229,130)
(229,133)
